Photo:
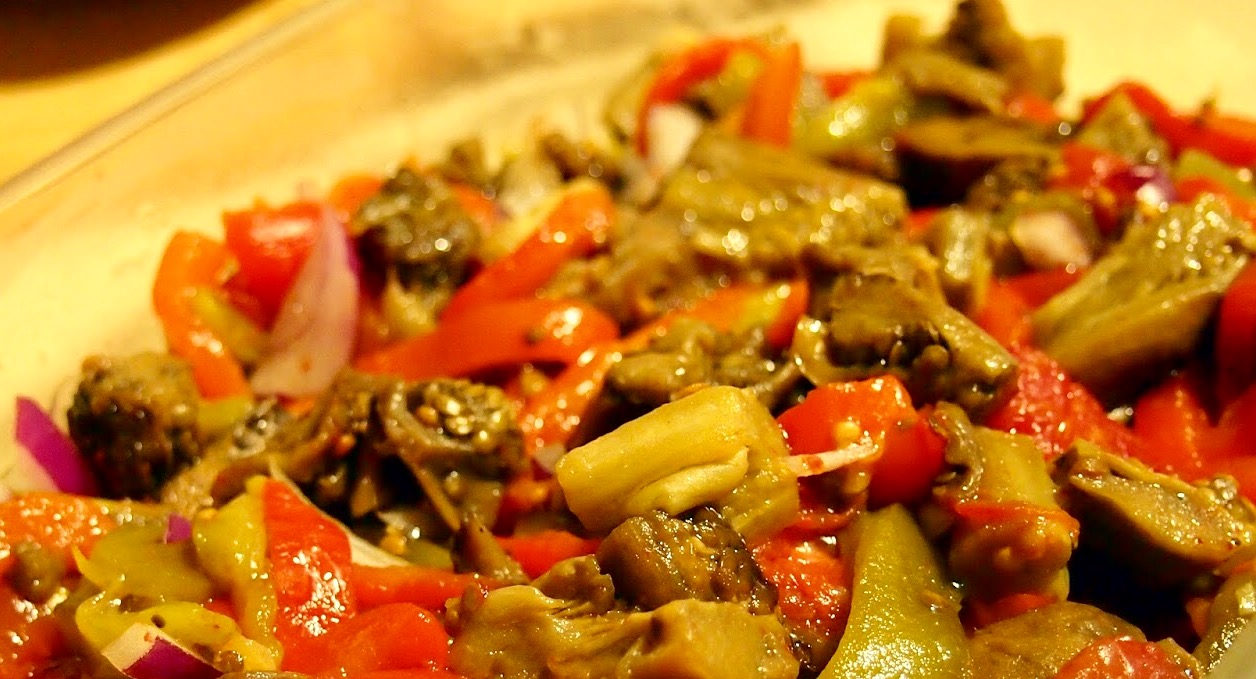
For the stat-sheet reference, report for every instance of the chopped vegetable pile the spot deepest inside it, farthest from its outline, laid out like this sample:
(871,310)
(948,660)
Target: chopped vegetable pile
(807,373)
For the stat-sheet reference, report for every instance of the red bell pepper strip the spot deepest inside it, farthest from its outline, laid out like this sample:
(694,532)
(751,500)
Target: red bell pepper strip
(495,336)
(882,414)
(1235,343)
(270,245)
(553,415)
(309,561)
(429,588)
(32,638)
(1054,410)
(684,70)
(389,638)
(837,83)
(350,192)
(1005,315)
(773,98)
(1172,422)
(979,613)
(1191,188)
(56,522)
(575,227)
(812,582)
(193,261)
(1103,179)
(1121,658)
(414,673)
(1031,107)
(1036,287)
(538,552)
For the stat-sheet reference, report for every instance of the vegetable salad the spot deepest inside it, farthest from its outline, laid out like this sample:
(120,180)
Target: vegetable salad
(894,370)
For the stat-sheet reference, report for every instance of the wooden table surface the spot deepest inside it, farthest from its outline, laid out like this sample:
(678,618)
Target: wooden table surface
(68,65)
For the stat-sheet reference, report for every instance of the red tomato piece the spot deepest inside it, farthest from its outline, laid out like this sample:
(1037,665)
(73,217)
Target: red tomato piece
(1121,658)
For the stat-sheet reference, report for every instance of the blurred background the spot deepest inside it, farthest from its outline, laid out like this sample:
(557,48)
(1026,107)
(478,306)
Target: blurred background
(68,65)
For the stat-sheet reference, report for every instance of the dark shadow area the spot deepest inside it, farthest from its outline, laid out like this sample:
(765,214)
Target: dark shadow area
(45,38)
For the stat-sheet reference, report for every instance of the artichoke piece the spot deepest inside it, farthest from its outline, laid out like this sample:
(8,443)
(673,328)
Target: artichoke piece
(856,130)
(879,322)
(717,446)
(656,559)
(520,632)
(1121,128)
(1015,647)
(416,232)
(753,207)
(1145,303)
(904,617)
(135,420)
(943,157)
(1166,530)
(959,239)
(1231,611)
(929,72)
(1018,540)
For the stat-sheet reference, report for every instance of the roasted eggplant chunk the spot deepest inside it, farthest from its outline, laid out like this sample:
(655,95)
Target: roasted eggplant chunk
(1146,303)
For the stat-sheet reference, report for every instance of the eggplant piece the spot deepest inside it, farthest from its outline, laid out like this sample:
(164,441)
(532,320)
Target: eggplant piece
(135,420)
(691,354)
(520,632)
(416,232)
(960,239)
(656,559)
(1165,530)
(1036,644)
(943,157)
(1007,534)
(886,316)
(751,207)
(1145,304)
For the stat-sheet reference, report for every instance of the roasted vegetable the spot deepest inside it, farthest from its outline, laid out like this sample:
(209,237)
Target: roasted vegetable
(1145,303)
(1015,647)
(1007,533)
(943,157)
(1232,609)
(856,130)
(717,446)
(691,354)
(885,316)
(959,239)
(1118,126)
(135,419)
(904,617)
(416,233)
(718,196)
(981,33)
(1164,530)
(519,632)
(655,559)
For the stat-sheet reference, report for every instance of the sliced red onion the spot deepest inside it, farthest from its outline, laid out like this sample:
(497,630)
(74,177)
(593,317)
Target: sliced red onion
(314,332)
(178,529)
(1152,185)
(673,129)
(145,652)
(51,449)
(814,464)
(1050,239)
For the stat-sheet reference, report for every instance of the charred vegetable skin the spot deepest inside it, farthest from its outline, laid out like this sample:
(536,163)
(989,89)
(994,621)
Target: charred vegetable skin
(136,421)
(886,316)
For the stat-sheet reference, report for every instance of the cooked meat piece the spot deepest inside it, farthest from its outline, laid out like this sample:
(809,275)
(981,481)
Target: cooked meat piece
(134,418)
(1145,304)
(1014,648)
(691,353)
(655,559)
(886,316)
(415,232)
(519,632)
(1164,530)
